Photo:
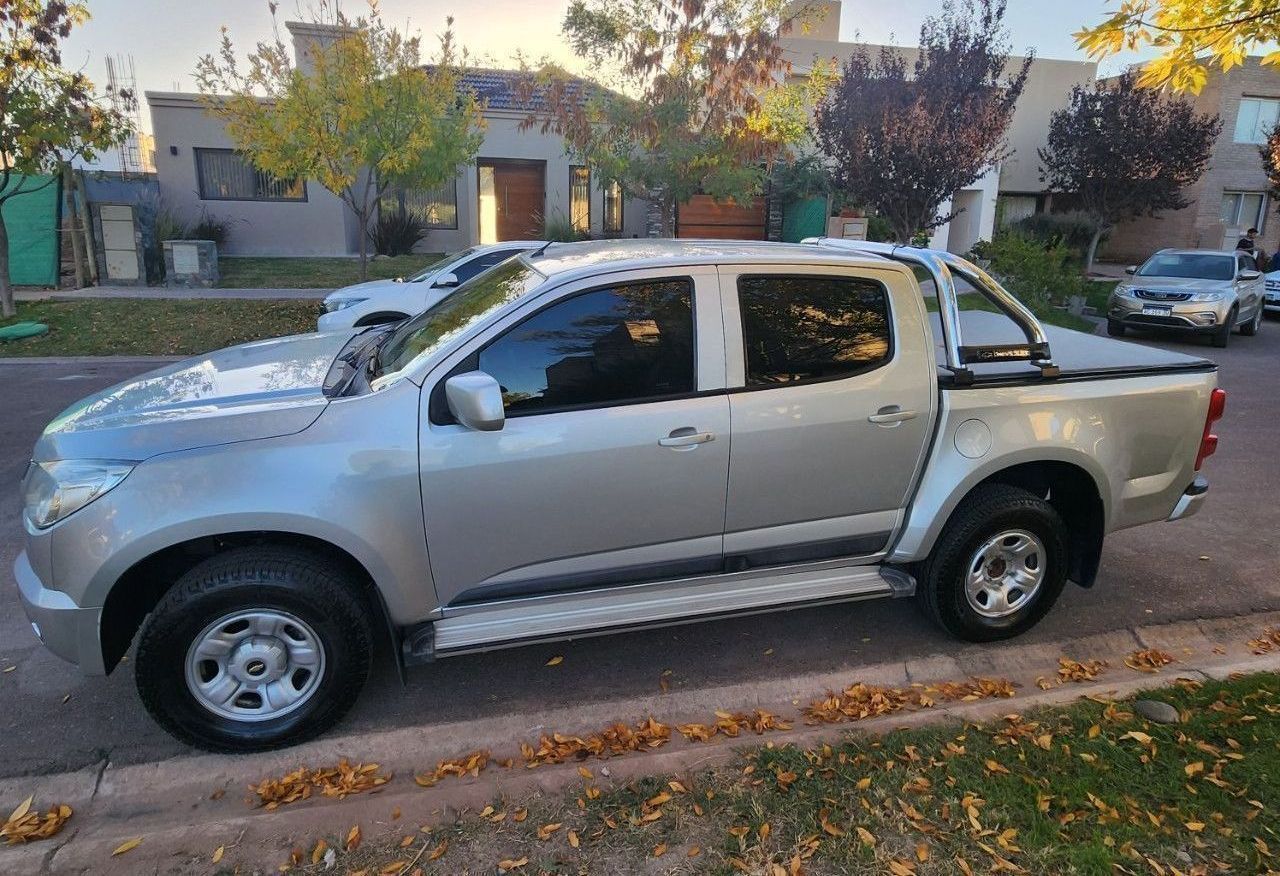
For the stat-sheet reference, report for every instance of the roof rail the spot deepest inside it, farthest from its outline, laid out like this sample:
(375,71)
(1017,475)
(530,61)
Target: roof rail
(941,265)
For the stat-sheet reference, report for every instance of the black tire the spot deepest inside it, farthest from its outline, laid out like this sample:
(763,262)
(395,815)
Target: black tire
(1115,328)
(986,512)
(1250,328)
(1222,334)
(268,578)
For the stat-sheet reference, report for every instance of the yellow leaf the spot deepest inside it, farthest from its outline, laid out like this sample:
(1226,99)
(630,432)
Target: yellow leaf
(659,850)
(521,815)
(1192,769)
(317,854)
(127,846)
(217,854)
(546,830)
(23,808)
(353,839)
(693,852)
(585,773)
(867,837)
(1195,826)
(901,868)
(555,661)
(508,865)
(438,852)
(677,787)
(573,838)
(922,852)
(995,767)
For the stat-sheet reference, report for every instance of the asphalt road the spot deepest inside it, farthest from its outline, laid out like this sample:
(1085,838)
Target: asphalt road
(53,719)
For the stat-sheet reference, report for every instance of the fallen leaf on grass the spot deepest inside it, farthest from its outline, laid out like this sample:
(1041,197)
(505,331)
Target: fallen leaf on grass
(352,841)
(659,850)
(217,854)
(508,865)
(546,830)
(127,846)
(1148,660)
(317,853)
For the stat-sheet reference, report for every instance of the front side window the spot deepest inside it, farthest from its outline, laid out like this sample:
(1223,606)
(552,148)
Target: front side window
(1256,118)
(621,344)
(580,199)
(812,328)
(612,208)
(226,175)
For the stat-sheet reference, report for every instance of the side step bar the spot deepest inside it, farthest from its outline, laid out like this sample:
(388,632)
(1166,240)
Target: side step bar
(559,616)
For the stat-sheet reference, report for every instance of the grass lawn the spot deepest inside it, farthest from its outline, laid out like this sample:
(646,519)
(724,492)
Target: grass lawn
(1100,294)
(125,327)
(1084,789)
(246,272)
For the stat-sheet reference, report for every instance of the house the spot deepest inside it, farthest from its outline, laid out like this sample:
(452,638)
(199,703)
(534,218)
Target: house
(1232,195)
(1011,190)
(519,181)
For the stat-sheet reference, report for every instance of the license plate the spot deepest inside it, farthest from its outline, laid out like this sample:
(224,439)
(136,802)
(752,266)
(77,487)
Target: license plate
(1148,310)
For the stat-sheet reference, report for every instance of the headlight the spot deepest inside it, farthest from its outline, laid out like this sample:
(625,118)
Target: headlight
(52,490)
(1123,291)
(332,304)
(1207,296)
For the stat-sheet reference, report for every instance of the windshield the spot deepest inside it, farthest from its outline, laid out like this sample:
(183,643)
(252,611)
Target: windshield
(440,263)
(1192,265)
(466,306)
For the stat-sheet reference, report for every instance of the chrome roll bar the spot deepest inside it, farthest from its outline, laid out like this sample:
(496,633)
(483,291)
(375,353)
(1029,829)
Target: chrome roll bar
(941,267)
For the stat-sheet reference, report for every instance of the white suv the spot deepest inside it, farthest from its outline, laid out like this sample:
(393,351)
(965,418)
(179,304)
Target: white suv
(383,301)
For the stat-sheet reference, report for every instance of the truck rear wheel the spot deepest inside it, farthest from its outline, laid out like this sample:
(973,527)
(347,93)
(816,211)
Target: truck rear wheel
(998,565)
(253,649)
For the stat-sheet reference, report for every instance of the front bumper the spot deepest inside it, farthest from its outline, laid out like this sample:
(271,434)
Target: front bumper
(1190,316)
(337,320)
(1191,500)
(64,627)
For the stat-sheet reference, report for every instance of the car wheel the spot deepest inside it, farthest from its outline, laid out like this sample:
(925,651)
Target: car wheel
(254,649)
(1222,334)
(997,567)
(1251,327)
(1115,328)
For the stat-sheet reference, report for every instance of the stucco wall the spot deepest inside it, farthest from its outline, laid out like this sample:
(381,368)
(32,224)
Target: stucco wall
(1233,167)
(320,225)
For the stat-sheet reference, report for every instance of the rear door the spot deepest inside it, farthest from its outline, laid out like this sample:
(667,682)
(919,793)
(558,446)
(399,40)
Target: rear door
(612,465)
(832,393)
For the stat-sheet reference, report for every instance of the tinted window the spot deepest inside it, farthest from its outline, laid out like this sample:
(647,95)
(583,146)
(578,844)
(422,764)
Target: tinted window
(810,328)
(1191,265)
(619,344)
(465,272)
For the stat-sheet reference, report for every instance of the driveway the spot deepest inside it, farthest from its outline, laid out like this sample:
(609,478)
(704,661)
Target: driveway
(1222,562)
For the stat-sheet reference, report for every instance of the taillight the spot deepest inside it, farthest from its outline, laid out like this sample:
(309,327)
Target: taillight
(1209,441)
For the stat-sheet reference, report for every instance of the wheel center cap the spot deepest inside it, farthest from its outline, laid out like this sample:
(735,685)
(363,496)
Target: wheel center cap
(259,659)
(997,567)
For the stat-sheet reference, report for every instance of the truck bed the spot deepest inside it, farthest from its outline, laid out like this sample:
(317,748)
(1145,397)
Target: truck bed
(1079,356)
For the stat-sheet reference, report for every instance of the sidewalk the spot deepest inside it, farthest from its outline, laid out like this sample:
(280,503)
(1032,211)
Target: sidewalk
(159,292)
(186,808)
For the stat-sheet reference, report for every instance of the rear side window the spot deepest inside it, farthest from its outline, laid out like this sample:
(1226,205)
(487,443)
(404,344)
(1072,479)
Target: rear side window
(618,345)
(812,328)
(467,270)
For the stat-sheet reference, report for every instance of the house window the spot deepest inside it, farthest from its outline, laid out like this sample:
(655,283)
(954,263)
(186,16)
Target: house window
(226,175)
(1256,118)
(612,208)
(580,199)
(438,207)
(1244,209)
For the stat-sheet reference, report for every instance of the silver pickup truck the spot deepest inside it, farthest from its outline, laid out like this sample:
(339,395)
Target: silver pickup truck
(586,438)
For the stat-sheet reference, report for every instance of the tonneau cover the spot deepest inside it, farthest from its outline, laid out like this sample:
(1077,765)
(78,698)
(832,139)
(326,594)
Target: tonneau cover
(1075,353)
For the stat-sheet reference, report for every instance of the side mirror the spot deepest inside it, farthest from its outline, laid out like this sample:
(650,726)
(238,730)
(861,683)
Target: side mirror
(475,399)
(1247,274)
(446,281)
(1132,269)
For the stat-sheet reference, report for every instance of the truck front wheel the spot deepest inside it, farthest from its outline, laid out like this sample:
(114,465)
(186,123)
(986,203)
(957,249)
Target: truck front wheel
(253,649)
(998,565)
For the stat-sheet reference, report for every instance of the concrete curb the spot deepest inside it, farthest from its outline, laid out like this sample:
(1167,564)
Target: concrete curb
(169,802)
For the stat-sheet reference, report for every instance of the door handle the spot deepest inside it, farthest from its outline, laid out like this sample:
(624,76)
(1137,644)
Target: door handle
(686,438)
(891,415)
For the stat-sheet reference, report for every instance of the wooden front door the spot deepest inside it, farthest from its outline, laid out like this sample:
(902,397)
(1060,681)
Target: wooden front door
(512,199)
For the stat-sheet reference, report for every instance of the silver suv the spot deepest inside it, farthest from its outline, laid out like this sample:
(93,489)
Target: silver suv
(1207,292)
(598,436)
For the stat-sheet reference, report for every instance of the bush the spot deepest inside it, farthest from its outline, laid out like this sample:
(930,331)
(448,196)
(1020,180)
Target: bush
(1038,275)
(396,232)
(1072,230)
(879,229)
(560,230)
(210,228)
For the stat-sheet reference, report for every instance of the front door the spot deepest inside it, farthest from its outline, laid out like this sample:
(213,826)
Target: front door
(611,466)
(512,199)
(837,384)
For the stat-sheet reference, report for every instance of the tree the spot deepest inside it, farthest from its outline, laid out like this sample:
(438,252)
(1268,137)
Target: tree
(1123,151)
(1192,35)
(48,115)
(701,105)
(902,145)
(368,115)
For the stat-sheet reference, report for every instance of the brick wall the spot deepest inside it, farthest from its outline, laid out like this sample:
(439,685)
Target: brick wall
(1233,167)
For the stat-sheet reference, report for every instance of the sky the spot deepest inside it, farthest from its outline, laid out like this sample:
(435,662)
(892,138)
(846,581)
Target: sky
(165,37)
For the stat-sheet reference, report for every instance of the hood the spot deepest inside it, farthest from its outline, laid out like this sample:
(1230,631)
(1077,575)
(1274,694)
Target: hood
(1176,284)
(257,390)
(369,287)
